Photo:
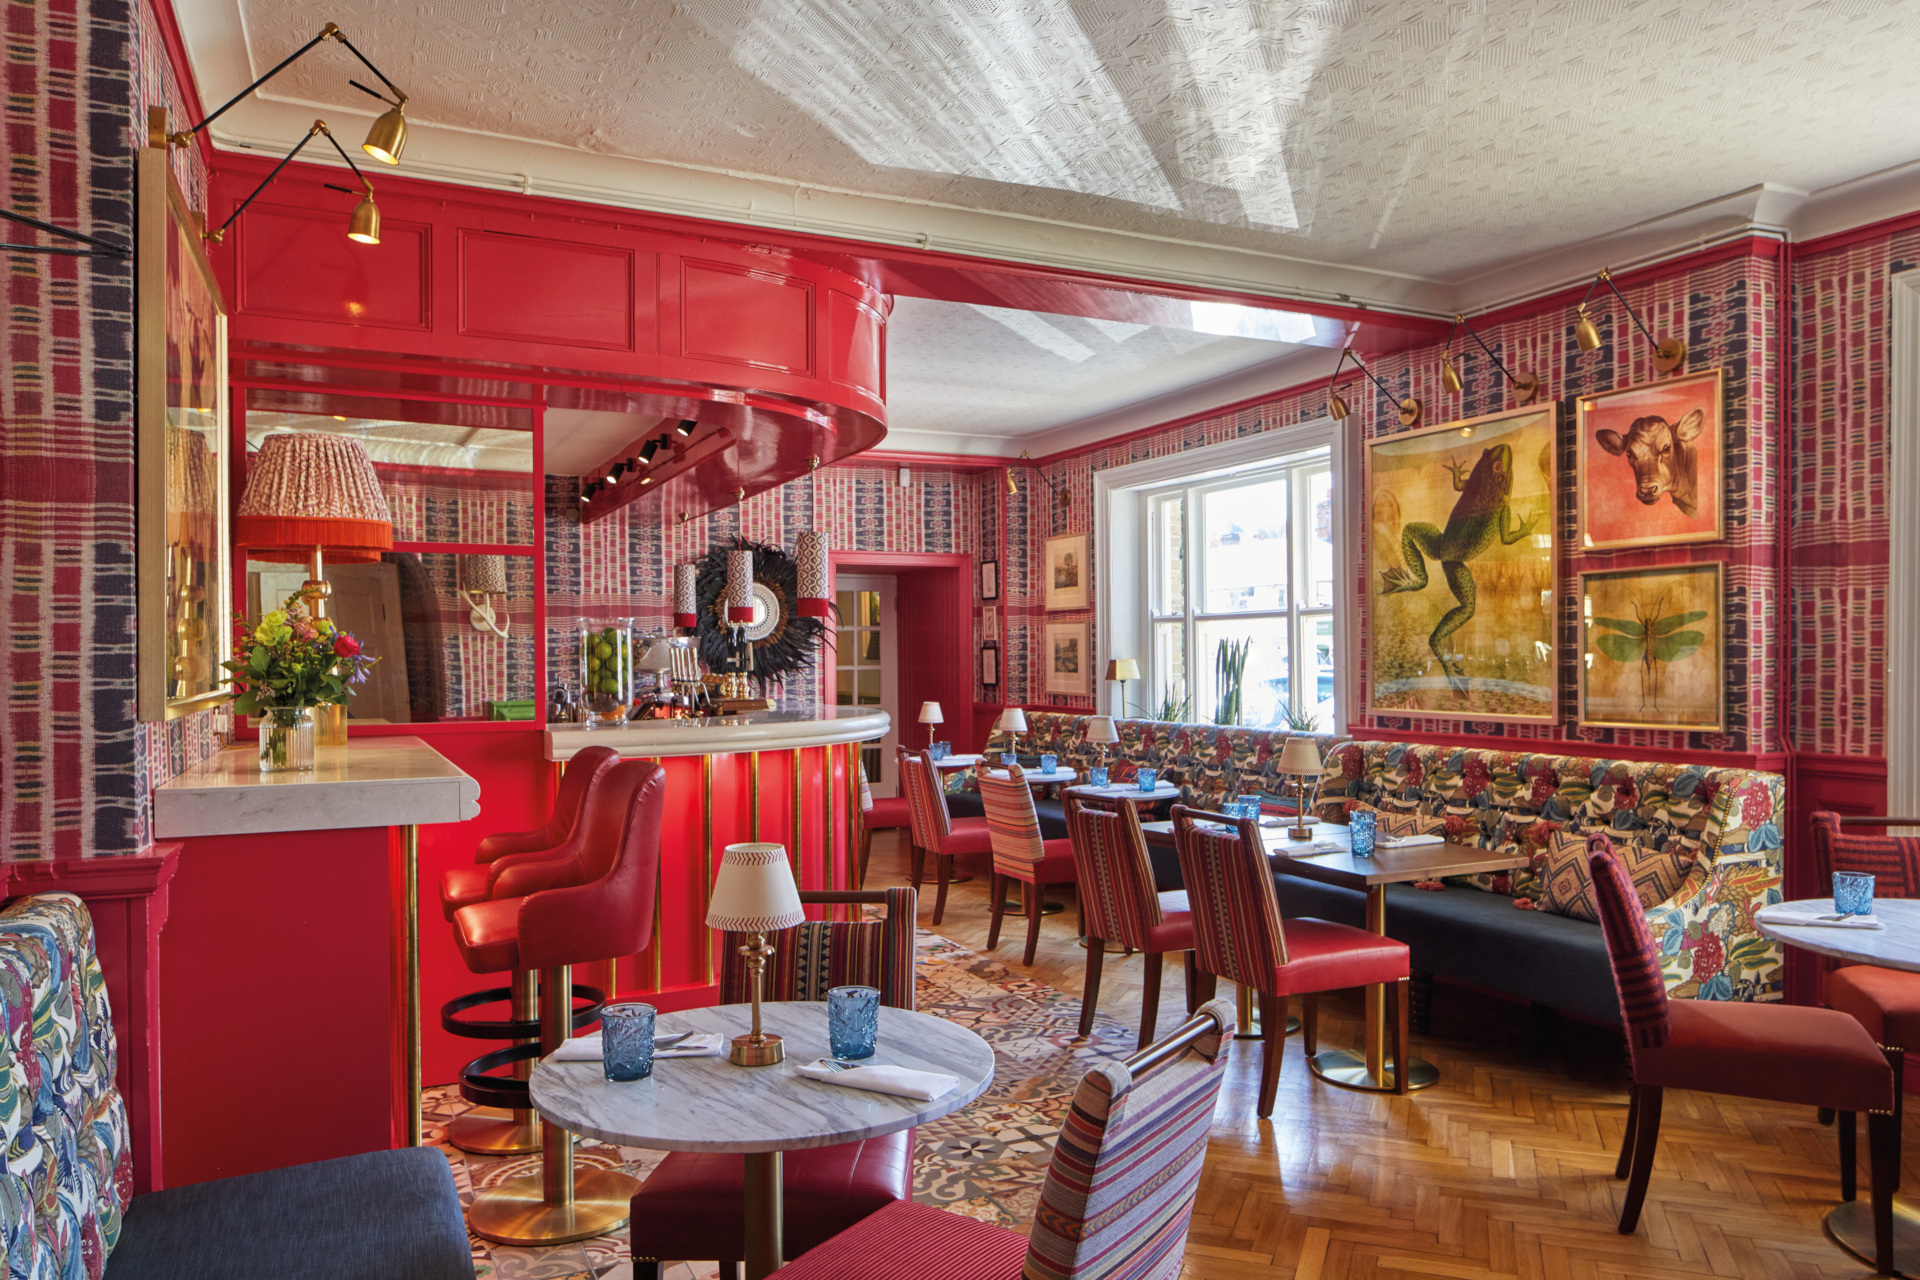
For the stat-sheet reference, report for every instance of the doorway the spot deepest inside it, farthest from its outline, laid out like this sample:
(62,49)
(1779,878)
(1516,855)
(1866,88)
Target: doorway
(866,666)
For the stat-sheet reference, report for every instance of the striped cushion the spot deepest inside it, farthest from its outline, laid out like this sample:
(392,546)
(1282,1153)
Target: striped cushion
(812,959)
(1636,963)
(1236,919)
(908,1241)
(1892,861)
(1117,896)
(1012,824)
(1119,1193)
(866,791)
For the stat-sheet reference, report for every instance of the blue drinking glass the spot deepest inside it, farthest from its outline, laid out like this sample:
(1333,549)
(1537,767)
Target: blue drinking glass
(1147,779)
(1097,777)
(1252,804)
(853,1021)
(626,1040)
(1852,893)
(1008,759)
(939,750)
(1048,763)
(1360,828)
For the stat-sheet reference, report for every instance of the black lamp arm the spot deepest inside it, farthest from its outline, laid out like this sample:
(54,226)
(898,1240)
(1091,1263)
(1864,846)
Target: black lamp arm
(1391,398)
(368,64)
(319,127)
(1497,362)
(1634,315)
(329,32)
(106,248)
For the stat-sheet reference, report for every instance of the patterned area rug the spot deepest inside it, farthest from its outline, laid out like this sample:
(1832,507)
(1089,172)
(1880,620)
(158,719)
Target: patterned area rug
(986,1161)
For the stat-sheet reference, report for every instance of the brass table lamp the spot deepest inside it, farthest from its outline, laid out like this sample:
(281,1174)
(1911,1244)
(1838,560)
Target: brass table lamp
(754,894)
(1301,759)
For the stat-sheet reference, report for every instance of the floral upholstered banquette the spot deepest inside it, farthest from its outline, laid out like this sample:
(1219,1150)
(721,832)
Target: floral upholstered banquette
(1718,831)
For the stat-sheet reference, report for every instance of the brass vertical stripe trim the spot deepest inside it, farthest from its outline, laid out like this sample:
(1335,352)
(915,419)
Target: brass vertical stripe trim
(795,852)
(659,885)
(753,796)
(410,1012)
(706,866)
(854,817)
(828,860)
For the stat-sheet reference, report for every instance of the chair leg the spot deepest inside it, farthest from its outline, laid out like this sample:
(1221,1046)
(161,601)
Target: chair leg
(1031,895)
(1150,999)
(1398,999)
(916,865)
(996,887)
(1624,1164)
(940,896)
(1201,985)
(1825,1115)
(1883,1162)
(1310,1024)
(1090,995)
(1273,1044)
(646,1269)
(1189,973)
(734,1270)
(1849,1155)
(1646,1135)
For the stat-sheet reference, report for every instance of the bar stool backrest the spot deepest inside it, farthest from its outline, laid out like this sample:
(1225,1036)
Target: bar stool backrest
(1236,917)
(609,913)
(813,958)
(921,781)
(1119,1193)
(1117,895)
(1013,826)
(576,780)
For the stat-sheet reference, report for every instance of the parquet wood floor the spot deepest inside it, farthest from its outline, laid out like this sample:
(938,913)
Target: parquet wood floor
(1502,1169)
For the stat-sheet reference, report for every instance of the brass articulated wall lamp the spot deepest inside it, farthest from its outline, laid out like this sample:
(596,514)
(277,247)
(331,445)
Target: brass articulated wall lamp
(1526,384)
(385,140)
(364,226)
(1408,410)
(1062,498)
(1668,353)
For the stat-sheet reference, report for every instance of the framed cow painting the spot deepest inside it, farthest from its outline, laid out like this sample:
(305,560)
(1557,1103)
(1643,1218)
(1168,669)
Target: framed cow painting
(1650,462)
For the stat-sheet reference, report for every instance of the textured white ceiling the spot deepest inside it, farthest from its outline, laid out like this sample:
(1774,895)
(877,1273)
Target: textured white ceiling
(1439,140)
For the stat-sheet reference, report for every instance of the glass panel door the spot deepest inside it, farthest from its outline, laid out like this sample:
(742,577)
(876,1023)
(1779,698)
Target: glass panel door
(866,670)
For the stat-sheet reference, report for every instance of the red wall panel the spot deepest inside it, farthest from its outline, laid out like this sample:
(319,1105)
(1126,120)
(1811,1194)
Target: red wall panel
(741,316)
(855,353)
(530,289)
(294,264)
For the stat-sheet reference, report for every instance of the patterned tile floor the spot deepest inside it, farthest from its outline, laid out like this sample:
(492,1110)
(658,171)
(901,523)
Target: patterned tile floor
(986,1160)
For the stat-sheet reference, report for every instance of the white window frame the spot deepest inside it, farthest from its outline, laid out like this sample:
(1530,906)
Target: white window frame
(1120,525)
(1903,552)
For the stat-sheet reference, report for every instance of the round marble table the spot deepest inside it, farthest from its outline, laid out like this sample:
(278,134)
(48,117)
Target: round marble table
(708,1104)
(1895,947)
(1127,791)
(1035,778)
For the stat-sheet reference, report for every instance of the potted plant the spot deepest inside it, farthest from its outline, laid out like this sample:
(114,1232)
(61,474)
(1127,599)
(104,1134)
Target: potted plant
(285,667)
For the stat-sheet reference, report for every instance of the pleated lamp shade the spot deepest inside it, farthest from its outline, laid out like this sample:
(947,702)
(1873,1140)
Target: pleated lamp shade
(686,595)
(1299,756)
(1013,720)
(308,490)
(1100,729)
(754,892)
(810,557)
(740,587)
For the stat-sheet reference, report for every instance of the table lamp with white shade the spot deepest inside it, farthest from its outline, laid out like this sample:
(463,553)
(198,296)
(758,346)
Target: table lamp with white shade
(1014,721)
(754,894)
(1301,759)
(930,715)
(1101,733)
(1119,671)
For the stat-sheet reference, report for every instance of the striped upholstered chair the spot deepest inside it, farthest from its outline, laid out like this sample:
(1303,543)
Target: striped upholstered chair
(936,833)
(1238,936)
(1118,903)
(692,1205)
(1019,854)
(1117,1198)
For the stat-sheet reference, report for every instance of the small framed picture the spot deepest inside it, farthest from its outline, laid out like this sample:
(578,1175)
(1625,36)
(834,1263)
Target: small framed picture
(990,665)
(989,579)
(1067,572)
(1652,655)
(990,621)
(1068,658)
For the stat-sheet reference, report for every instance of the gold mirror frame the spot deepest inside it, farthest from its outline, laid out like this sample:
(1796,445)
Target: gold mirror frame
(183,520)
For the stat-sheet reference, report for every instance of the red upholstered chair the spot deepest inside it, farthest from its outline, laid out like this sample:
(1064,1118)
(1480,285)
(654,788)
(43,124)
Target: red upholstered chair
(934,830)
(1237,935)
(487,1130)
(885,814)
(1777,1052)
(1118,1195)
(1019,854)
(1118,903)
(694,1204)
(597,906)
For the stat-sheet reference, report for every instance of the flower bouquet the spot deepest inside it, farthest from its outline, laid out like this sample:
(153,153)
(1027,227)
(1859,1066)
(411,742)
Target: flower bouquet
(283,668)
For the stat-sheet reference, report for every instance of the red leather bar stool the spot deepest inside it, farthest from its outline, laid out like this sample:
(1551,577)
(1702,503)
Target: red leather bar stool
(885,814)
(601,910)
(490,1130)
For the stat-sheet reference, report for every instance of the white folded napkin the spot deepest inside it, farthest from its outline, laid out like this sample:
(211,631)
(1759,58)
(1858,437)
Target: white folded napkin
(902,1082)
(1813,914)
(587,1048)
(1402,842)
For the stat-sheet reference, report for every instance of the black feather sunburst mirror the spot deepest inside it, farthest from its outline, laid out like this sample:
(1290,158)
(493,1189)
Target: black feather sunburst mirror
(783,643)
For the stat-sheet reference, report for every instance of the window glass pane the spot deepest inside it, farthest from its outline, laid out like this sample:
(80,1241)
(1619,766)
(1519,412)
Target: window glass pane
(845,691)
(1170,551)
(869,688)
(1263,679)
(843,605)
(869,613)
(1319,587)
(1246,549)
(1316,656)
(1170,661)
(868,648)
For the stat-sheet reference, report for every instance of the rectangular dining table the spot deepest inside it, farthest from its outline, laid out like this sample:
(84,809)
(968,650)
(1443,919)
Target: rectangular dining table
(1365,1071)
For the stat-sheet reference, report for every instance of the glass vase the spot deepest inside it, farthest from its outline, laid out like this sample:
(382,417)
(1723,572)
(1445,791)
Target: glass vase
(606,670)
(286,739)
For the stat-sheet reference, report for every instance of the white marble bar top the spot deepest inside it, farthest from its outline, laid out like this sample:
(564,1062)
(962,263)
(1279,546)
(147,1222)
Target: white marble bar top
(1895,947)
(370,782)
(717,735)
(708,1104)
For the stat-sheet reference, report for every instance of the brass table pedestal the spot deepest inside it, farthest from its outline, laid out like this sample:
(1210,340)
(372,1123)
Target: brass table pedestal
(518,1212)
(1850,1223)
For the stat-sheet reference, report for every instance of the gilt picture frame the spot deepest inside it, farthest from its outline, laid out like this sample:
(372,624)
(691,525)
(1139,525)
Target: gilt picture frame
(1653,650)
(1463,553)
(181,414)
(1066,572)
(1068,659)
(1651,463)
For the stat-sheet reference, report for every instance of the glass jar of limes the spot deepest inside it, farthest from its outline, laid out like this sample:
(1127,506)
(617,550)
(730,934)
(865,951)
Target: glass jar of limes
(606,670)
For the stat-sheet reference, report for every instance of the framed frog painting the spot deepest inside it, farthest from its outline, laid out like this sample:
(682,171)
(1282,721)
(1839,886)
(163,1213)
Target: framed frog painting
(1463,562)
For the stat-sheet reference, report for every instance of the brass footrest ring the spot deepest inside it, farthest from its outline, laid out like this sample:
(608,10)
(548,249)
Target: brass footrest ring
(516,1212)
